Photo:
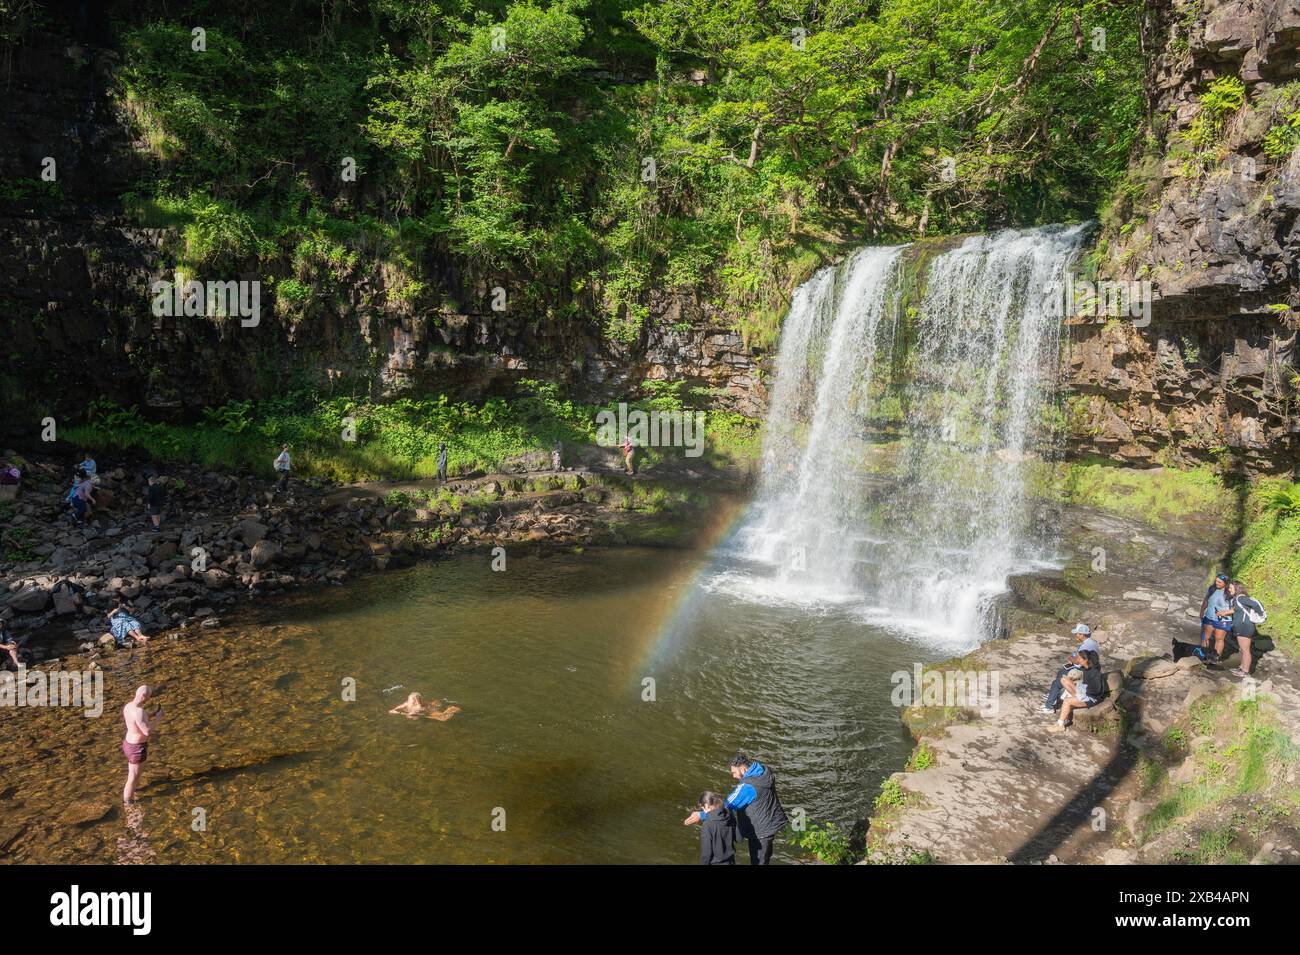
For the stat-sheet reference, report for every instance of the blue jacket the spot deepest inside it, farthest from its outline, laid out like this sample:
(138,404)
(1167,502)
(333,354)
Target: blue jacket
(756,804)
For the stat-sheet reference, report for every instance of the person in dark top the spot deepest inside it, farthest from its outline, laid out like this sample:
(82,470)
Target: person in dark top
(759,816)
(1247,614)
(717,830)
(1088,690)
(157,499)
(8,647)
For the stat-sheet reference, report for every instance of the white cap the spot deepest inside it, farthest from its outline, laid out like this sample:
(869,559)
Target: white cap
(1082,628)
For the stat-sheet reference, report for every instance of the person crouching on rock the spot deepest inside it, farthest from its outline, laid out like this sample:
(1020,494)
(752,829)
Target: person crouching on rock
(122,625)
(1083,634)
(1082,693)
(82,497)
(415,707)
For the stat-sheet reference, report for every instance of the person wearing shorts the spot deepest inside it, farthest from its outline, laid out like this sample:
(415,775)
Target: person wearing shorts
(1082,693)
(1214,628)
(135,747)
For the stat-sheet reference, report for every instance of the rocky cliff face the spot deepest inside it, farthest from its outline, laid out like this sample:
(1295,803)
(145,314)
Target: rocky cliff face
(1210,216)
(76,270)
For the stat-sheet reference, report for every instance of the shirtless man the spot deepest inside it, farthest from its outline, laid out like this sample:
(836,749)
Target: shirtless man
(136,745)
(415,706)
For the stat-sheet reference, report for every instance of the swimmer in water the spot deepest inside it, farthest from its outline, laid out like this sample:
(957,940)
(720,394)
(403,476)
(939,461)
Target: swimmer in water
(415,706)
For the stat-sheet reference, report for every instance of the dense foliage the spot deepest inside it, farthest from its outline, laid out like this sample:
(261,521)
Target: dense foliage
(581,153)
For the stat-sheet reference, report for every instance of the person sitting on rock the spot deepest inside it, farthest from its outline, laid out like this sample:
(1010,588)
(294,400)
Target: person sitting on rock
(8,647)
(415,706)
(1083,634)
(1082,693)
(89,466)
(122,625)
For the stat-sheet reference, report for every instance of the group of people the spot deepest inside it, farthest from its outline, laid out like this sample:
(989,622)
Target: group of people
(1230,615)
(82,497)
(753,810)
(1078,684)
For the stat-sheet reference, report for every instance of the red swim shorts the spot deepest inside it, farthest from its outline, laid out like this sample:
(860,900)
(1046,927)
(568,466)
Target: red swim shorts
(135,752)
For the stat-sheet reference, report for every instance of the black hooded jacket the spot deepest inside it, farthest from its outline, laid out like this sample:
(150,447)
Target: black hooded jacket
(717,837)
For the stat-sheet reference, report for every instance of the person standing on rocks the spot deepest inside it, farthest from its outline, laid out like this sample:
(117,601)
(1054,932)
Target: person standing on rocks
(717,830)
(629,452)
(157,494)
(442,461)
(282,467)
(1247,613)
(1212,610)
(135,747)
(82,497)
(759,815)
(557,453)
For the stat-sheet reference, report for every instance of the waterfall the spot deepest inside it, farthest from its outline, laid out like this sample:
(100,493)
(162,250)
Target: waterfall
(900,434)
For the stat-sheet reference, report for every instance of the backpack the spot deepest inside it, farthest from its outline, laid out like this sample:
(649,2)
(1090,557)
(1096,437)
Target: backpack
(1254,616)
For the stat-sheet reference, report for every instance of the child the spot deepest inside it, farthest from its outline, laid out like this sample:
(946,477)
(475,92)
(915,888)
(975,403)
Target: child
(717,830)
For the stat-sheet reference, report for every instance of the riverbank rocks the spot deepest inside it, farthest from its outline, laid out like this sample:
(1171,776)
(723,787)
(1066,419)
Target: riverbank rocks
(250,531)
(30,600)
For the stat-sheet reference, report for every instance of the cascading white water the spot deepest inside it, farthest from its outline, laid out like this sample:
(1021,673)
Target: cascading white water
(838,321)
(923,528)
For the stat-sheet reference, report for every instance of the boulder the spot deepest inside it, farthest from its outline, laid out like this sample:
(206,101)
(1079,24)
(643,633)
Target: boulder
(264,553)
(1151,668)
(30,600)
(216,578)
(250,531)
(65,601)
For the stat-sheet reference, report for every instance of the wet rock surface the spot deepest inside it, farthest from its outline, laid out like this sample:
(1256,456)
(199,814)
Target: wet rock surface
(1217,234)
(1001,787)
